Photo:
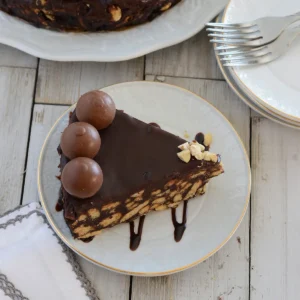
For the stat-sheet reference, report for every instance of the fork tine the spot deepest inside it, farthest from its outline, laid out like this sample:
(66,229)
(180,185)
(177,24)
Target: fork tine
(252,61)
(233,25)
(242,64)
(248,36)
(251,29)
(242,50)
(227,47)
(237,42)
(223,30)
(241,57)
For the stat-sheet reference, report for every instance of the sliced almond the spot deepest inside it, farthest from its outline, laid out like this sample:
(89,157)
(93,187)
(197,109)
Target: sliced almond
(207,139)
(116,12)
(200,156)
(166,7)
(195,147)
(184,146)
(184,155)
(208,156)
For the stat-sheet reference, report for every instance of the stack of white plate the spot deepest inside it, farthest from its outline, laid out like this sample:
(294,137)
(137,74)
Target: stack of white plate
(271,89)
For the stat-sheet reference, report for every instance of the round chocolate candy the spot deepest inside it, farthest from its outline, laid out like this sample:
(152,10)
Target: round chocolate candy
(80,139)
(82,177)
(96,108)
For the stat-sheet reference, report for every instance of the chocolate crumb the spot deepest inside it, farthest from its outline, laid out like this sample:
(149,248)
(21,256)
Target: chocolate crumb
(239,240)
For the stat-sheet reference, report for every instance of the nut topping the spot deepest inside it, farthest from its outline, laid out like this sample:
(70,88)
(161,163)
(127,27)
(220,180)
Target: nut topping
(207,139)
(208,156)
(116,12)
(197,150)
(184,146)
(166,7)
(185,155)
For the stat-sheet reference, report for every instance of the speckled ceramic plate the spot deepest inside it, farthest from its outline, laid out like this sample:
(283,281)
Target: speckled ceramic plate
(176,25)
(212,218)
(274,85)
(237,87)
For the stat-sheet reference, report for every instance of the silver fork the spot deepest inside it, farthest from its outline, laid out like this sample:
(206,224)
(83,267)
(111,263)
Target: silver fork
(242,56)
(257,33)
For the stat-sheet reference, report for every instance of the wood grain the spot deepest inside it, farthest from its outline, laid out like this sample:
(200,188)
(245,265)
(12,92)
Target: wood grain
(225,275)
(275,231)
(109,285)
(16,95)
(219,94)
(63,83)
(11,57)
(192,58)
(44,116)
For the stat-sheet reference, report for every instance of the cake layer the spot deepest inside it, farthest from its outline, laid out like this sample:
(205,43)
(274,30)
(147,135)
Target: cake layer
(142,173)
(86,15)
(167,196)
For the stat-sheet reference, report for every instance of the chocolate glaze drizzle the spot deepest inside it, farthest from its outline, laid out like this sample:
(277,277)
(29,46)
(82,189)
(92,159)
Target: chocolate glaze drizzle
(135,238)
(59,205)
(199,137)
(87,240)
(179,228)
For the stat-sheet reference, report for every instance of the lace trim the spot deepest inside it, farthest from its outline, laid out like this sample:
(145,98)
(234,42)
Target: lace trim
(70,256)
(10,290)
(13,210)
(19,219)
(85,283)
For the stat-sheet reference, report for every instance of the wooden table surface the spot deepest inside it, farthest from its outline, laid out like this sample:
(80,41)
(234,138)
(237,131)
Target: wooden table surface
(261,261)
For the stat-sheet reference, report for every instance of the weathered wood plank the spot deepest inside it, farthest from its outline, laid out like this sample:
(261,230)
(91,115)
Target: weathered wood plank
(255,114)
(44,116)
(225,275)
(109,285)
(10,57)
(275,232)
(16,96)
(63,83)
(219,94)
(192,58)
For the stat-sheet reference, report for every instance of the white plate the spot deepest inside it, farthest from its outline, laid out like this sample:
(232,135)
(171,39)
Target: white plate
(275,85)
(237,87)
(212,219)
(176,25)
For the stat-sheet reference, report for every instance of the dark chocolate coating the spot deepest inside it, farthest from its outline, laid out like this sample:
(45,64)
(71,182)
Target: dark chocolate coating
(82,177)
(86,15)
(153,161)
(96,108)
(80,140)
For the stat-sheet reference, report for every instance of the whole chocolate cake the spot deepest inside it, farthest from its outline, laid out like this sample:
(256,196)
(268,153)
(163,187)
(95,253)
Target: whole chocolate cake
(86,15)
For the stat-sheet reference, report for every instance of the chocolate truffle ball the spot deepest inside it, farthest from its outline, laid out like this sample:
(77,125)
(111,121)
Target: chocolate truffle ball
(96,108)
(82,177)
(80,139)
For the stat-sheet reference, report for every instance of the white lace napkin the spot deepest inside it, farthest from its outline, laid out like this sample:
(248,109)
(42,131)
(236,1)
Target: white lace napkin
(34,263)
